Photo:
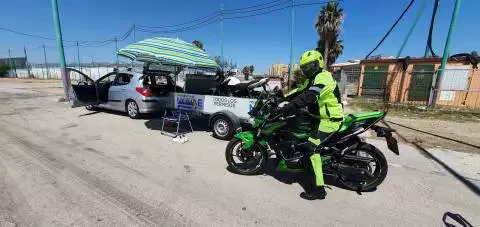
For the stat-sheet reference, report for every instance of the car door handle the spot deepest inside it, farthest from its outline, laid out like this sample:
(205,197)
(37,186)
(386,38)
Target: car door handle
(124,88)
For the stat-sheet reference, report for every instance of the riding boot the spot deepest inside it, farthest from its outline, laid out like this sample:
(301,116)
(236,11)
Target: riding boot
(315,193)
(317,190)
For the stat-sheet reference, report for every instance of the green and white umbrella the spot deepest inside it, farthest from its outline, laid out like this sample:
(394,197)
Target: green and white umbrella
(168,51)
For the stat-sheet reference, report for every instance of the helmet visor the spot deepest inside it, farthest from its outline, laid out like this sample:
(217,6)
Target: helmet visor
(310,69)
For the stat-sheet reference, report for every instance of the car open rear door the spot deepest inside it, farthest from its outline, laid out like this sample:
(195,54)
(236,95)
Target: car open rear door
(84,90)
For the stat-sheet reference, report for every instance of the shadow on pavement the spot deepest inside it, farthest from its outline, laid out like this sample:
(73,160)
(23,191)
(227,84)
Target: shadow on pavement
(304,179)
(459,177)
(198,124)
(454,220)
(429,155)
(88,114)
(118,113)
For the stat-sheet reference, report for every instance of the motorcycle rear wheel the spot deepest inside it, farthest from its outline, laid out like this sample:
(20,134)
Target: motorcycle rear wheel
(252,160)
(377,173)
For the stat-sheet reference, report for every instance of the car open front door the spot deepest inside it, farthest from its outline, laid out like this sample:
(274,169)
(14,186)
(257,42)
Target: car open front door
(83,90)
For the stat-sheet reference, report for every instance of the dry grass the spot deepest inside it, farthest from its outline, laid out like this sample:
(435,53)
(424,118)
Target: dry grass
(462,125)
(411,111)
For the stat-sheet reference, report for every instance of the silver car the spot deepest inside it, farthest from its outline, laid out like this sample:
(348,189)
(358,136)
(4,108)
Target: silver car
(127,91)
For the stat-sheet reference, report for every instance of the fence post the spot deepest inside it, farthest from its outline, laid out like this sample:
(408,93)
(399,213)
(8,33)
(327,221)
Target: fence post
(343,83)
(360,80)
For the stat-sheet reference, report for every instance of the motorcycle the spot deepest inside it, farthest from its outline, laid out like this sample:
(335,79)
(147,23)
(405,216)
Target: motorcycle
(356,164)
(232,86)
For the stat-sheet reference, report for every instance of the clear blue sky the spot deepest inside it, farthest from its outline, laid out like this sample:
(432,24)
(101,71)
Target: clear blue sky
(261,40)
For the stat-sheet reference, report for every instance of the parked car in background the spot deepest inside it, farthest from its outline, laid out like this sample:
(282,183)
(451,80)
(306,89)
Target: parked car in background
(128,91)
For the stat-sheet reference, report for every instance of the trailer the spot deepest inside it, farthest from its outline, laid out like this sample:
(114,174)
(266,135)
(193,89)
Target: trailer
(226,115)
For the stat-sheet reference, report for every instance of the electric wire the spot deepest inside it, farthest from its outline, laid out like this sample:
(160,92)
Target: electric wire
(391,28)
(216,19)
(430,30)
(211,15)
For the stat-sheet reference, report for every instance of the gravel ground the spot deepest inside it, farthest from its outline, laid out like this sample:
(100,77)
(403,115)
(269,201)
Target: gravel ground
(70,167)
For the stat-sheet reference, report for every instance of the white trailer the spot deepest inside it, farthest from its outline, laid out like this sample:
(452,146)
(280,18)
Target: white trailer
(226,114)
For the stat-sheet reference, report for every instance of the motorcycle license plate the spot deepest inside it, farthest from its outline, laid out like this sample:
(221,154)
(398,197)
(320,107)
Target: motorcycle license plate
(392,145)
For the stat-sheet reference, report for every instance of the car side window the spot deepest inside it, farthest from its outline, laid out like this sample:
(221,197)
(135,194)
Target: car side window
(109,78)
(122,79)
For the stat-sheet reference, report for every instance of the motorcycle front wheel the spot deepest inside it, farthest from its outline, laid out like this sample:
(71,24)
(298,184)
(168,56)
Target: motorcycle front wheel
(243,161)
(374,168)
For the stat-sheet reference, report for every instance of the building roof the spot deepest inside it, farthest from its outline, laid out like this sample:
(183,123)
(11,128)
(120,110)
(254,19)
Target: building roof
(18,62)
(348,63)
(415,60)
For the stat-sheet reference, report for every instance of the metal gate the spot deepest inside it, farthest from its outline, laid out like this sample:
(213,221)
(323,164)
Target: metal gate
(421,82)
(374,80)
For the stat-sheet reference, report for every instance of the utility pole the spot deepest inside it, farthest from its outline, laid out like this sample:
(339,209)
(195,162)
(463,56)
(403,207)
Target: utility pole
(134,38)
(290,73)
(75,60)
(10,62)
(98,68)
(61,53)
(26,62)
(46,63)
(446,52)
(116,50)
(134,35)
(91,68)
(79,65)
(221,35)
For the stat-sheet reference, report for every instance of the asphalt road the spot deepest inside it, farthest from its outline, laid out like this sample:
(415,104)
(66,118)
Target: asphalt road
(70,167)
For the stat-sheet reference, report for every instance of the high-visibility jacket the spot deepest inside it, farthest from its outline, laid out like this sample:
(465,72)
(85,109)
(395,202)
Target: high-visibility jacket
(321,95)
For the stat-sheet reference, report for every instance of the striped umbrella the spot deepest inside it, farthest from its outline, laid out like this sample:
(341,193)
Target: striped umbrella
(168,51)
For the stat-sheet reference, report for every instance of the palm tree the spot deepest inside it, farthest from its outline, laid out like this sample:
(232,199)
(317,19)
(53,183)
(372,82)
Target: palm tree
(329,26)
(334,52)
(198,44)
(248,71)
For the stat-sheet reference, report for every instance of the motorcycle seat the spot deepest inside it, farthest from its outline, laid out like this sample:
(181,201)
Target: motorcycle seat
(258,83)
(242,86)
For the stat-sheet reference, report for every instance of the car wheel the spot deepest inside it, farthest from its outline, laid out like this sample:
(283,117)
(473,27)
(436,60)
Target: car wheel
(131,108)
(90,107)
(222,128)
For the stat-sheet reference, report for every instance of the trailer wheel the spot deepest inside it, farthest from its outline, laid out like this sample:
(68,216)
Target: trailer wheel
(222,127)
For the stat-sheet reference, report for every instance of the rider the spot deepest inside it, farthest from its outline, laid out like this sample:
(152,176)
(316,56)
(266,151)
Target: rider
(320,94)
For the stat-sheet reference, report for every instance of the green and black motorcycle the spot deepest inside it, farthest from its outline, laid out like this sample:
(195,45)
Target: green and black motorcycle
(357,165)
